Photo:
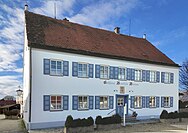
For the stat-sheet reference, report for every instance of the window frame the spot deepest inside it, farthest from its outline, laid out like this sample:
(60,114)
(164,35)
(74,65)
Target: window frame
(120,75)
(83,102)
(137,107)
(87,71)
(165,80)
(137,75)
(155,76)
(56,109)
(56,74)
(103,108)
(108,68)
(166,106)
(151,102)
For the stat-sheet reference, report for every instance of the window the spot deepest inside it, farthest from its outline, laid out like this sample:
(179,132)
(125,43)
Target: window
(120,101)
(83,102)
(82,70)
(55,102)
(121,74)
(152,102)
(56,67)
(137,101)
(166,101)
(103,102)
(153,76)
(167,77)
(138,75)
(104,72)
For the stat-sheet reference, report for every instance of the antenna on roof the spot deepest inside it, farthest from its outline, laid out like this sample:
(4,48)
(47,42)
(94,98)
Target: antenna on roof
(55,9)
(130,27)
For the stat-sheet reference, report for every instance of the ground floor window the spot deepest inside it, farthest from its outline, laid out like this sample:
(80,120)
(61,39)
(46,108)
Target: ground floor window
(138,102)
(83,102)
(103,102)
(152,102)
(166,101)
(55,103)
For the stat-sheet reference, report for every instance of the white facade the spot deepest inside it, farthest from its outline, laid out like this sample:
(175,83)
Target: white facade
(42,84)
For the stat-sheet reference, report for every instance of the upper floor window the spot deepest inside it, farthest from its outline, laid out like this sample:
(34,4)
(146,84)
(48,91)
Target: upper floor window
(55,102)
(56,67)
(121,74)
(138,75)
(152,102)
(167,77)
(82,70)
(103,102)
(137,101)
(166,101)
(104,72)
(83,102)
(153,76)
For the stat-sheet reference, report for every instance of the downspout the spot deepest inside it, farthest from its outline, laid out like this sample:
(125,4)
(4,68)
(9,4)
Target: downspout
(30,84)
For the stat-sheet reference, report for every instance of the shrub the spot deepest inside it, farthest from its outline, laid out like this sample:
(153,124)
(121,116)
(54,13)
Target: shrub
(115,119)
(15,112)
(90,121)
(7,113)
(68,121)
(98,120)
(164,115)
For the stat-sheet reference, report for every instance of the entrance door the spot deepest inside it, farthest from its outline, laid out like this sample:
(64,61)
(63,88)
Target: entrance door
(120,102)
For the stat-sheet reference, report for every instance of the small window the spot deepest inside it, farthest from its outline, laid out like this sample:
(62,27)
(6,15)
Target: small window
(138,75)
(153,76)
(167,77)
(83,102)
(82,70)
(152,102)
(103,102)
(137,101)
(56,67)
(120,101)
(55,103)
(121,74)
(104,72)
(166,101)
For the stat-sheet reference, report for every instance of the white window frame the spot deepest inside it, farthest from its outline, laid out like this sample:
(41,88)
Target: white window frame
(56,101)
(167,77)
(152,104)
(56,69)
(83,74)
(120,75)
(83,105)
(153,76)
(138,102)
(138,75)
(103,74)
(102,103)
(166,99)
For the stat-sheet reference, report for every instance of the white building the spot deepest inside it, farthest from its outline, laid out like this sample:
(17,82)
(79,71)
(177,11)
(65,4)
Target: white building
(72,69)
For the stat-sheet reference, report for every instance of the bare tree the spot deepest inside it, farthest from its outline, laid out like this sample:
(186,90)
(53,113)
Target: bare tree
(184,75)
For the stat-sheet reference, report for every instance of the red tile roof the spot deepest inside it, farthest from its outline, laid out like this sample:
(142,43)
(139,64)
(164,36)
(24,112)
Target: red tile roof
(62,35)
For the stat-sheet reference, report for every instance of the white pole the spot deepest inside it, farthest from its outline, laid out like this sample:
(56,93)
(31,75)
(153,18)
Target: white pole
(125,112)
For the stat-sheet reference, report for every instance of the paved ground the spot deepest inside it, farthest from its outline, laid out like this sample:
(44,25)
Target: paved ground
(10,126)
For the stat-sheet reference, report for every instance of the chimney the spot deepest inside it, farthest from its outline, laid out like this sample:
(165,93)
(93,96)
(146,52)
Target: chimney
(144,36)
(65,19)
(26,7)
(117,30)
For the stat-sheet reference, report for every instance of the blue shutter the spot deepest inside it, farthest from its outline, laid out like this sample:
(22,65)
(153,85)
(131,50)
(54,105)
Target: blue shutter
(143,102)
(74,102)
(74,69)
(97,71)
(90,70)
(132,102)
(171,101)
(158,77)
(65,102)
(148,75)
(143,75)
(133,74)
(162,101)
(65,68)
(46,102)
(171,78)
(162,77)
(91,102)
(46,65)
(157,102)
(97,102)
(111,72)
(147,102)
(111,102)
(116,69)
(128,73)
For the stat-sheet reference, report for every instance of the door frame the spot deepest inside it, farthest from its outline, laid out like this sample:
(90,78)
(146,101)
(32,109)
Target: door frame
(126,100)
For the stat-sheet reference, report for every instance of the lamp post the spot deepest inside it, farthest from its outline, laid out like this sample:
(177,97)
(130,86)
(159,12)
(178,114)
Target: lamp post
(19,99)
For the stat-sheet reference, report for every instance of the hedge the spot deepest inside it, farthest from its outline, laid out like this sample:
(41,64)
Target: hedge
(115,119)
(173,115)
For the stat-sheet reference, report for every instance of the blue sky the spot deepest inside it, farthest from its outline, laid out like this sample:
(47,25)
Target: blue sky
(164,21)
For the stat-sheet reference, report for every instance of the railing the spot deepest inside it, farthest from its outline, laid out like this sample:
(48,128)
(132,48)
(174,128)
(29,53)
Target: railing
(111,111)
